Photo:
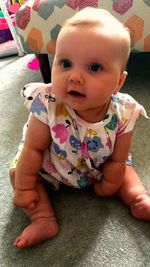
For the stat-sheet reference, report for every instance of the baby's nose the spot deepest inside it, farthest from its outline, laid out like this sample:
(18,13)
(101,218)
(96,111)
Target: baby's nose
(76,77)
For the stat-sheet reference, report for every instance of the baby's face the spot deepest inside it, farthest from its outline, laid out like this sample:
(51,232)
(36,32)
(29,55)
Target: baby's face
(86,70)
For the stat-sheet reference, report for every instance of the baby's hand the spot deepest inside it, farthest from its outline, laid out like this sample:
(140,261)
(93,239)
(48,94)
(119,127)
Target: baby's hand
(25,198)
(113,175)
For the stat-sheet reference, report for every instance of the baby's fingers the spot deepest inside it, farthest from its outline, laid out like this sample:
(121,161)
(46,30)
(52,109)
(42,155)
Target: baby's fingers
(25,199)
(33,204)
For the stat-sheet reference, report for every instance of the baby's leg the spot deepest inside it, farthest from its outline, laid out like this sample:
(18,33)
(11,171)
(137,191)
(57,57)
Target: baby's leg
(133,193)
(43,222)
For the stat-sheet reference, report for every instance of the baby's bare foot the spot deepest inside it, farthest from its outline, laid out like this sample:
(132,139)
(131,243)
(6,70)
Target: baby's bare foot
(39,230)
(140,208)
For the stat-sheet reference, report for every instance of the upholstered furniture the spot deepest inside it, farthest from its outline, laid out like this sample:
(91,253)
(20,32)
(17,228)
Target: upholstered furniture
(39,22)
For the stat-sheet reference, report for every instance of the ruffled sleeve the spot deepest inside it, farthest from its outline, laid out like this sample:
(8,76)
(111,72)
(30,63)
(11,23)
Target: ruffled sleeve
(128,110)
(36,96)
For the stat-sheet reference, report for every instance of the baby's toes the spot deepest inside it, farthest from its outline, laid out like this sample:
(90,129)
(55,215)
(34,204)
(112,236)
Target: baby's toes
(20,242)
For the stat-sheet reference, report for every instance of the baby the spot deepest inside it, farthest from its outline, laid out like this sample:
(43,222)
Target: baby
(80,127)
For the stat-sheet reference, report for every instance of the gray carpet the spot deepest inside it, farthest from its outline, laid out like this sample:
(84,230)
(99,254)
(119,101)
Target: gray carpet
(93,232)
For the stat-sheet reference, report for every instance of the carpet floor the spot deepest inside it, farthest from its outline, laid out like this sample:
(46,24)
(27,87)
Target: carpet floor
(93,232)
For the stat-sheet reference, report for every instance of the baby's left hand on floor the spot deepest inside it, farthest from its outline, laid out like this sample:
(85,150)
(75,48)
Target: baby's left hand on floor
(25,198)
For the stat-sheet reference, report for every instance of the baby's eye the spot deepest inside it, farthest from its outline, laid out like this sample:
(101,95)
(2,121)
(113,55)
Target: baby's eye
(66,63)
(95,67)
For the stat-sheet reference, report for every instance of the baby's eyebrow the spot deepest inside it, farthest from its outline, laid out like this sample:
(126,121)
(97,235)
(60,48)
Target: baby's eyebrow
(96,59)
(61,55)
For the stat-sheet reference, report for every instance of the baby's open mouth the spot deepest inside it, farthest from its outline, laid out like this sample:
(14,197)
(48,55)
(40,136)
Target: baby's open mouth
(76,93)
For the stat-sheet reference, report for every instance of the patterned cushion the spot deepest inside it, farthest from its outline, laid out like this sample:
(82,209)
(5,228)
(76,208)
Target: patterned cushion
(39,21)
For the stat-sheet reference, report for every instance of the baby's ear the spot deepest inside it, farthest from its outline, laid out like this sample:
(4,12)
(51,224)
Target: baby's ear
(122,79)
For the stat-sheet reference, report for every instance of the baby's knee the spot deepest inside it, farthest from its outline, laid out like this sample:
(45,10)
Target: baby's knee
(12,173)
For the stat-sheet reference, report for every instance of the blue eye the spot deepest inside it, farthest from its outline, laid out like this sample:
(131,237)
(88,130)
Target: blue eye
(65,63)
(95,67)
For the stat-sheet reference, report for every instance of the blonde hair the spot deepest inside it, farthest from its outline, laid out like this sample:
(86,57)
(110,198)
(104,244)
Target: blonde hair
(102,18)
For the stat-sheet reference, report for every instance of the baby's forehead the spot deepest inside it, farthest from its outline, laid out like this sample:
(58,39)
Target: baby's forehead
(93,35)
(110,30)
(116,41)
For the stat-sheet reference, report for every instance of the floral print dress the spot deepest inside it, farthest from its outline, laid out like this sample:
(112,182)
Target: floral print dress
(78,148)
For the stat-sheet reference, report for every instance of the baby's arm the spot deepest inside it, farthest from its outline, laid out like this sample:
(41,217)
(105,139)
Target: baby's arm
(37,140)
(114,168)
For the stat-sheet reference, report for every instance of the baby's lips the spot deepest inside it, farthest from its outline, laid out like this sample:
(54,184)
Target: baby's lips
(75,93)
